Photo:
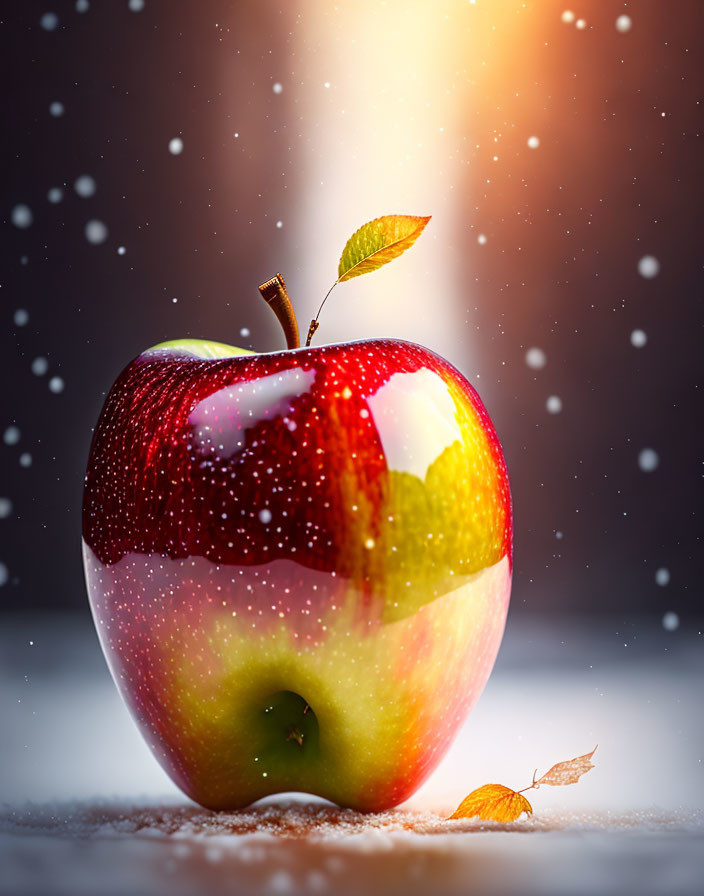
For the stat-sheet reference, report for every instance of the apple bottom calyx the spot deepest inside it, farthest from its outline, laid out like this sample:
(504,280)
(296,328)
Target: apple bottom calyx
(285,733)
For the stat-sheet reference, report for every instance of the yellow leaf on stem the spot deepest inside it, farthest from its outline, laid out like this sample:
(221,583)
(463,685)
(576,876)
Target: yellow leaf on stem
(378,242)
(493,802)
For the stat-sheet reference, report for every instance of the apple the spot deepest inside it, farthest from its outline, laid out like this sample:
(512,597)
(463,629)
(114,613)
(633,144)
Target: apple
(299,564)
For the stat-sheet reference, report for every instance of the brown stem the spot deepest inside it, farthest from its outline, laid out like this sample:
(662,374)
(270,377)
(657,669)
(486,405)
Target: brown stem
(314,323)
(533,786)
(275,295)
(311,331)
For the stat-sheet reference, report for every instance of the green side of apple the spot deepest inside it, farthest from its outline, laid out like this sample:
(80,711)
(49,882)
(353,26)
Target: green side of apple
(202,348)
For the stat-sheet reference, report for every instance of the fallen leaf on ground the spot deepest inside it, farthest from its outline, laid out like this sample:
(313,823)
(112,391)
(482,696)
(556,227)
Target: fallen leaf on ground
(568,772)
(493,802)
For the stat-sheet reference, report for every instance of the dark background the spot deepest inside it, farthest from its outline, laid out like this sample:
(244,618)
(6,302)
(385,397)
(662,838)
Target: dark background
(618,175)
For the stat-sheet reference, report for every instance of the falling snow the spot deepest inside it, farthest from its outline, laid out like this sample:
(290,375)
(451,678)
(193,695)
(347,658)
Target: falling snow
(648,460)
(84,186)
(22,216)
(638,338)
(536,358)
(12,435)
(96,232)
(670,621)
(40,366)
(49,21)
(662,576)
(648,267)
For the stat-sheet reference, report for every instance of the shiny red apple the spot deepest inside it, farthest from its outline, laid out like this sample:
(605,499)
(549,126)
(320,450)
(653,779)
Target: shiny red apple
(299,564)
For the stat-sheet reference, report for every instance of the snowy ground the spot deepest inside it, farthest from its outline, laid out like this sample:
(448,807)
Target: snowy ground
(86,809)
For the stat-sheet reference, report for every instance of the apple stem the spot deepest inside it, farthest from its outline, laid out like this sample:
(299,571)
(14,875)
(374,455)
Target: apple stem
(275,295)
(314,323)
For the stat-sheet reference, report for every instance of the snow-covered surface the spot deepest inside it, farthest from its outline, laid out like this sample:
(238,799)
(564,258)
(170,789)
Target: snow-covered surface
(287,847)
(86,808)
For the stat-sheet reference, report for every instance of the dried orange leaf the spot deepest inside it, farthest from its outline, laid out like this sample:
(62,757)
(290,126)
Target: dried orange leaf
(493,802)
(568,772)
(378,242)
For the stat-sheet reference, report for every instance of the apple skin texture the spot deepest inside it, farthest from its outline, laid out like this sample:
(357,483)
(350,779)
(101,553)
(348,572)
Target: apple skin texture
(299,564)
